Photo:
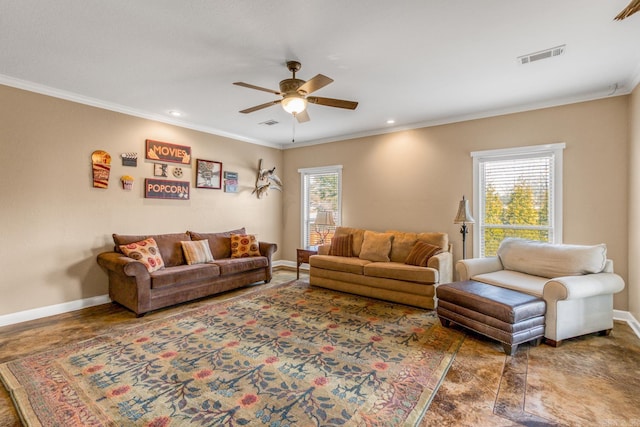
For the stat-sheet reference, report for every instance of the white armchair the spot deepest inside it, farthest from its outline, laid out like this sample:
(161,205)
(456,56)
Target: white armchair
(577,283)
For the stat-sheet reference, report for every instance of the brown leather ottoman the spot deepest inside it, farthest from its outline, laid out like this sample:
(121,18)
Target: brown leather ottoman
(508,316)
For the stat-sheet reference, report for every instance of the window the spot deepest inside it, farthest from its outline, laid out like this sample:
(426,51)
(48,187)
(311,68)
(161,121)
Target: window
(321,192)
(517,193)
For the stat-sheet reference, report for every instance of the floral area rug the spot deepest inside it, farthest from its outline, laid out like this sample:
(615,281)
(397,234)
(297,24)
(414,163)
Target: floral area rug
(292,355)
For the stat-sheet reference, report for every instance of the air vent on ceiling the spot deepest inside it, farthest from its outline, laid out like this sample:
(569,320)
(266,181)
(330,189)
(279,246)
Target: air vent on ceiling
(269,123)
(543,54)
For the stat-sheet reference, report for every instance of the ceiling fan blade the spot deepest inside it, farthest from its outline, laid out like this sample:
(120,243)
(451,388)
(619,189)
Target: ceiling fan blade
(247,85)
(303,116)
(260,107)
(632,8)
(330,102)
(318,82)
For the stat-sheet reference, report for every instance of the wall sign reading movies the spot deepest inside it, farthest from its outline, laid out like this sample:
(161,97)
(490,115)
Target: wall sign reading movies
(166,189)
(166,152)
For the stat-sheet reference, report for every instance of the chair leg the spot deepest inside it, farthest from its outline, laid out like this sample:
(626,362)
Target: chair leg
(536,342)
(605,333)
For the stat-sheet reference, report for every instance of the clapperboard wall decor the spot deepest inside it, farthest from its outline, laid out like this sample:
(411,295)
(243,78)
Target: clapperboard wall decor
(129,159)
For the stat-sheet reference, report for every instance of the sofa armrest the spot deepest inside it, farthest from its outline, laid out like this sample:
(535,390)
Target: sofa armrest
(588,285)
(443,262)
(123,265)
(467,268)
(267,249)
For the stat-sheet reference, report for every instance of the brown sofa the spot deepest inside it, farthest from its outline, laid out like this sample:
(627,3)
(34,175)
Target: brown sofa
(131,284)
(373,275)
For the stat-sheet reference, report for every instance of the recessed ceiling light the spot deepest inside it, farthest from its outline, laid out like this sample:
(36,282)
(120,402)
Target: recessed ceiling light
(390,121)
(175,113)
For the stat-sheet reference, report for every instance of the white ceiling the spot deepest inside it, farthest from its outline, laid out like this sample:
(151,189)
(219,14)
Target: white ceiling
(420,62)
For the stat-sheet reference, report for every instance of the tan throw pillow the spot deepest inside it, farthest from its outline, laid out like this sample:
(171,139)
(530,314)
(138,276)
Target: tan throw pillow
(197,252)
(376,246)
(421,253)
(146,251)
(244,245)
(341,245)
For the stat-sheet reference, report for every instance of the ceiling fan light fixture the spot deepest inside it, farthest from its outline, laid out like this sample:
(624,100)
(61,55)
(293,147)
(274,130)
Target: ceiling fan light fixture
(294,104)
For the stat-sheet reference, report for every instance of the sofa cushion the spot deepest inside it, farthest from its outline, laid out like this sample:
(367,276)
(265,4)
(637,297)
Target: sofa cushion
(357,236)
(400,271)
(376,246)
(339,263)
(341,245)
(401,245)
(169,245)
(421,252)
(523,282)
(244,245)
(183,274)
(219,243)
(551,260)
(196,251)
(146,251)
(238,265)
(440,240)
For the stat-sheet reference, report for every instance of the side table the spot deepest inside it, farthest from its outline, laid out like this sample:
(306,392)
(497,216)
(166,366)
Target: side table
(303,256)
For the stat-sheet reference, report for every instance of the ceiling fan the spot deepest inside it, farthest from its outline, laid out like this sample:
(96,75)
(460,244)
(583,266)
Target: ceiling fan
(295,94)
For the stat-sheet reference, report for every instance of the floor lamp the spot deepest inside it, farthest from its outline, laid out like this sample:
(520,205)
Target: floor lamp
(324,219)
(464,217)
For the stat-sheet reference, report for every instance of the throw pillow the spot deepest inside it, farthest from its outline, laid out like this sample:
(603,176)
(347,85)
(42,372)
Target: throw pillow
(197,252)
(146,251)
(421,253)
(341,245)
(244,245)
(376,246)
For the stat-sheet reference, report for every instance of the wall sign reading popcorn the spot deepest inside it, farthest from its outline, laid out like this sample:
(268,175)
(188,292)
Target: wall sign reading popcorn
(166,189)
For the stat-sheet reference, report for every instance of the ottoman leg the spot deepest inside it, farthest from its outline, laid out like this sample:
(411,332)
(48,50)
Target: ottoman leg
(536,342)
(445,322)
(509,349)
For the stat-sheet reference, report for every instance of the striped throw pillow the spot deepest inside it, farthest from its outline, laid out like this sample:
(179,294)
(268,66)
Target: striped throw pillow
(341,245)
(421,253)
(197,251)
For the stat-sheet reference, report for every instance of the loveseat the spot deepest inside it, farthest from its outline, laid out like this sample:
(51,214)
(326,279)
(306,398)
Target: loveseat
(195,265)
(395,266)
(577,282)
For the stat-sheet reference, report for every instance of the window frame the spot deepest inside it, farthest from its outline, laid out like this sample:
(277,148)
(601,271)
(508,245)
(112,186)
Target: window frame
(555,151)
(304,211)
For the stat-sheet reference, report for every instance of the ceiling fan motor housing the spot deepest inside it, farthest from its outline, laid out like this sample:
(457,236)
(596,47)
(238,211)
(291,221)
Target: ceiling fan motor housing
(291,85)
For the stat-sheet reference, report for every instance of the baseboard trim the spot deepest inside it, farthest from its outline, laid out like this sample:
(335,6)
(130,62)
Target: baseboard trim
(51,310)
(626,316)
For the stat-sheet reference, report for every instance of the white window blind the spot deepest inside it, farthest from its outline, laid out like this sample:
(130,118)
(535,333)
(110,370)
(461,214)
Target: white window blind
(321,192)
(517,193)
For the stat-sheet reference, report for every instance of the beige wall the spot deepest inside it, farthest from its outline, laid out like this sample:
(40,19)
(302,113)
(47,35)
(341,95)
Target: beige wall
(413,180)
(634,203)
(53,223)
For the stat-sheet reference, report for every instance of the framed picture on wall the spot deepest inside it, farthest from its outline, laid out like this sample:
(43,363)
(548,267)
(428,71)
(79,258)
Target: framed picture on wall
(208,174)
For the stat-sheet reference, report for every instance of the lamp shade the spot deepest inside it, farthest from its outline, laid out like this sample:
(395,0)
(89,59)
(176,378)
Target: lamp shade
(294,104)
(464,216)
(324,218)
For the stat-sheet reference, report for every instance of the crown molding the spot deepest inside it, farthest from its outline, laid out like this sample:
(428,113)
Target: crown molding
(93,102)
